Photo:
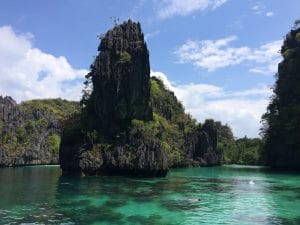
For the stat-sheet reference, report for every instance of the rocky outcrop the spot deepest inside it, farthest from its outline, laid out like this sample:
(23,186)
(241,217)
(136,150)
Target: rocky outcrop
(141,158)
(207,153)
(10,114)
(129,124)
(117,133)
(121,92)
(201,147)
(281,121)
(121,78)
(27,137)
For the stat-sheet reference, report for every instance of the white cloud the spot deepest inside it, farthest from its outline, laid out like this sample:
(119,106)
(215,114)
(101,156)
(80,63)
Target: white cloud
(169,8)
(242,110)
(260,9)
(216,54)
(27,72)
(151,35)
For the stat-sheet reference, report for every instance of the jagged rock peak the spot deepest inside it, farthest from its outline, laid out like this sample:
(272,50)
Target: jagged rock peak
(129,31)
(10,113)
(7,100)
(121,77)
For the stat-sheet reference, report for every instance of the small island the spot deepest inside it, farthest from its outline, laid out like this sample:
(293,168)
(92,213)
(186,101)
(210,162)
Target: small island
(130,123)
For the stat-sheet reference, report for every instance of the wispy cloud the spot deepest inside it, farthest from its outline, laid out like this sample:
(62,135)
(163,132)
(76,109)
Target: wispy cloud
(260,9)
(216,54)
(27,72)
(242,109)
(170,8)
(151,35)
(270,14)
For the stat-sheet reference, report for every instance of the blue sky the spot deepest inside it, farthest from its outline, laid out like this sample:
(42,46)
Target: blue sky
(218,56)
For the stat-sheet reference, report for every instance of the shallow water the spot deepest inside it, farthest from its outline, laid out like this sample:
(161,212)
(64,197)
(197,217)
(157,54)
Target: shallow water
(220,195)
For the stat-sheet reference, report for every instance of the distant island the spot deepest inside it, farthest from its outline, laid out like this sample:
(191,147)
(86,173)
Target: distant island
(128,123)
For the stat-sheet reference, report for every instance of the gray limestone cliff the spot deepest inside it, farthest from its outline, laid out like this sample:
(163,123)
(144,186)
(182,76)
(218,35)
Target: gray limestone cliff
(29,132)
(120,77)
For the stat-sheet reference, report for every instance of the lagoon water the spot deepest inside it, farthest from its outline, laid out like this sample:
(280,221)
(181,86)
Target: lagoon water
(217,195)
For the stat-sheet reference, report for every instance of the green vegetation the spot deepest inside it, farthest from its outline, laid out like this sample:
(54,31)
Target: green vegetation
(21,134)
(53,142)
(170,124)
(164,102)
(281,122)
(37,126)
(59,108)
(244,151)
(124,58)
(169,134)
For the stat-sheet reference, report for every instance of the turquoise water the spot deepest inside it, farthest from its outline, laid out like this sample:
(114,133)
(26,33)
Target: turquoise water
(220,195)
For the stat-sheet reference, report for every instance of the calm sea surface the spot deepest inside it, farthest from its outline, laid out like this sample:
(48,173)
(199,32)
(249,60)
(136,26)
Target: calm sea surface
(219,195)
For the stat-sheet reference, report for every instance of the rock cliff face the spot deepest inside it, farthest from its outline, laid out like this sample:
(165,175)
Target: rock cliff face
(206,151)
(130,124)
(282,121)
(120,77)
(10,114)
(201,147)
(121,93)
(28,135)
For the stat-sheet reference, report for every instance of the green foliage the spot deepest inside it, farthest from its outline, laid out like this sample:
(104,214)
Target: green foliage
(1,125)
(41,124)
(36,125)
(297,37)
(170,125)
(288,53)
(140,129)
(29,125)
(53,142)
(171,138)
(164,102)
(245,151)
(21,134)
(224,132)
(9,142)
(61,109)
(281,122)
(124,58)
(92,136)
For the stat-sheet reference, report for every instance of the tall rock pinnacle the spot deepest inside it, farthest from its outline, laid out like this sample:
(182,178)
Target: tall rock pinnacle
(104,140)
(121,77)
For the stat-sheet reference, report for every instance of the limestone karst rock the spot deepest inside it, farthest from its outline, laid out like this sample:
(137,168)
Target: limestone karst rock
(121,78)
(281,122)
(29,134)
(121,92)
(131,124)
